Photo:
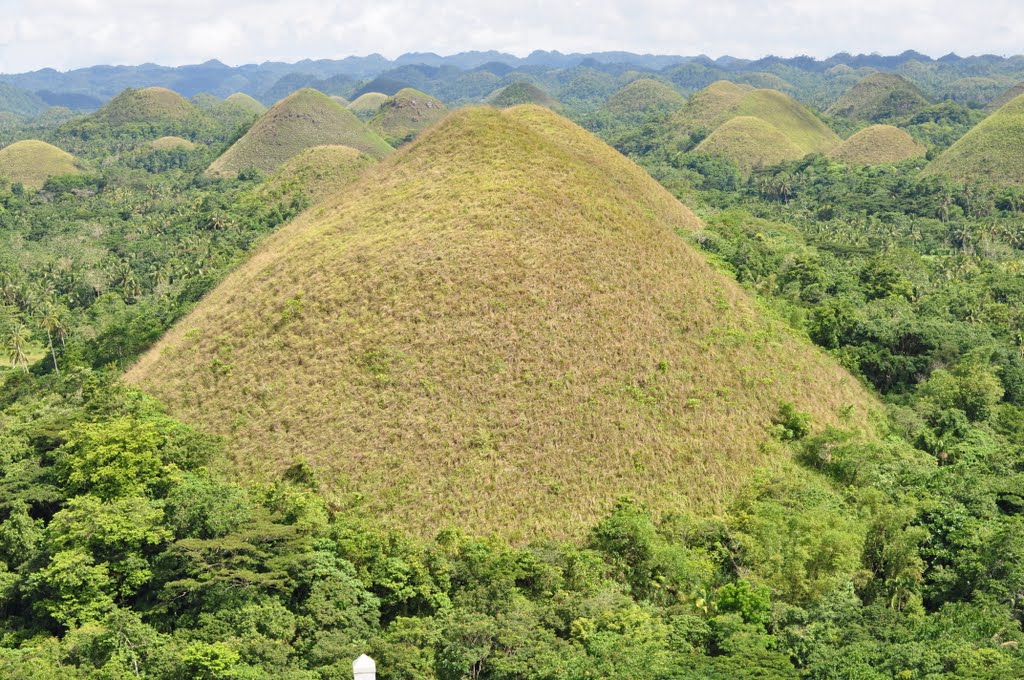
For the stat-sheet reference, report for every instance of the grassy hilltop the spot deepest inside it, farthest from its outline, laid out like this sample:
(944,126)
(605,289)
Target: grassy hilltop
(641,99)
(520,92)
(304,119)
(32,162)
(497,327)
(877,145)
(365,106)
(879,97)
(405,115)
(991,153)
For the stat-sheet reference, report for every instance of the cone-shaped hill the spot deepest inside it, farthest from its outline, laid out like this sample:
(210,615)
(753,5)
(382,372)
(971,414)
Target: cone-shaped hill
(405,115)
(367,105)
(879,97)
(31,163)
(246,103)
(315,174)
(171,142)
(878,145)
(749,142)
(722,101)
(151,105)
(642,99)
(302,120)
(520,92)
(497,327)
(992,152)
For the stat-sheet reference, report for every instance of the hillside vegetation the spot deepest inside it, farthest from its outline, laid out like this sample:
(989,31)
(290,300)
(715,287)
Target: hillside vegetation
(876,145)
(487,317)
(990,153)
(880,97)
(405,115)
(31,162)
(302,120)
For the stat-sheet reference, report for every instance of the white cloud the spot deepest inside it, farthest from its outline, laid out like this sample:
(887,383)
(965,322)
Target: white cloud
(71,33)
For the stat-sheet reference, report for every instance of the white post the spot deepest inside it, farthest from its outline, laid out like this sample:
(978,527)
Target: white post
(364,668)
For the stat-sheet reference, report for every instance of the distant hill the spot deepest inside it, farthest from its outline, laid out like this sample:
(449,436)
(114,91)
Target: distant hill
(383,84)
(992,152)
(498,328)
(722,100)
(147,106)
(642,99)
(32,162)
(877,145)
(247,103)
(405,115)
(880,97)
(171,143)
(749,142)
(302,120)
(520,92)
(367,105)
(1006,97)
(20,102)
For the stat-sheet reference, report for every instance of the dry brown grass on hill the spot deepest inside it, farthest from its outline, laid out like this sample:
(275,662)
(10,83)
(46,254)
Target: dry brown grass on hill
(171,142)
(877,145)
(749,143)
(992,152)
(498,328)
(32,162)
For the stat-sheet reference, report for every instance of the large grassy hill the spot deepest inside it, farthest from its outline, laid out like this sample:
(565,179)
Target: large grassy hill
(749,142)
(992,152)
(498,327)
(302,120)
(150,105)
(879,97)
(32,162)
(405,115)
(642,99)
(878,144)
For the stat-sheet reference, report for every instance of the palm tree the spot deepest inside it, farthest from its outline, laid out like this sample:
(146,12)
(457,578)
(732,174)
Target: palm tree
(51,320)
(17,345)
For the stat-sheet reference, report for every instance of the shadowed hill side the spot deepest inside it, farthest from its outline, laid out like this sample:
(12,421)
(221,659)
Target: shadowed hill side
(877,145)
(32,162)
(302,120)
(499,327)
(991,152)
(879,97)
(405,115)
(520,92)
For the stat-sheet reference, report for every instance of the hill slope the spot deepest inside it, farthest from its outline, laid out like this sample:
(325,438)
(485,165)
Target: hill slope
(877,145)
(32,162)
(749,142)
(642,99)
(722,101)
(498,327)
(520,92)
(315,174)
(302,120)
(879,97)
(991,152)
(405,115)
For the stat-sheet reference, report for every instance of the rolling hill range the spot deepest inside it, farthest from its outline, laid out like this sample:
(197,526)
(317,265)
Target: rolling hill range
(876,145)
(879,97)
(405,115)
(642,99)
(497,327)
(751,126)
(992,152)
(302,120)
(520,92)
(32,162)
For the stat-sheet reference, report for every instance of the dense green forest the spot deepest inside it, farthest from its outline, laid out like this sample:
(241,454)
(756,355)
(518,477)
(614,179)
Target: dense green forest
(127,551)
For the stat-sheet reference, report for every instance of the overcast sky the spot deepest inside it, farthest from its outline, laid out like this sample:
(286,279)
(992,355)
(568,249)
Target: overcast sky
(67,34)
